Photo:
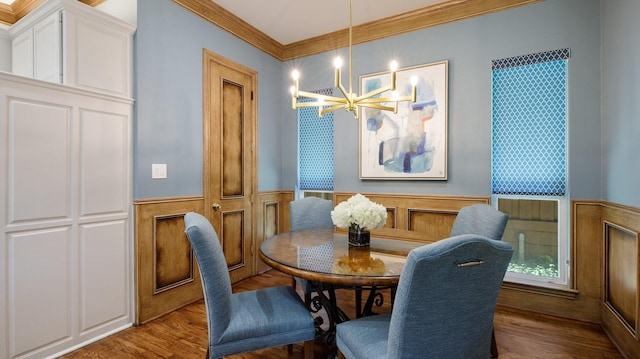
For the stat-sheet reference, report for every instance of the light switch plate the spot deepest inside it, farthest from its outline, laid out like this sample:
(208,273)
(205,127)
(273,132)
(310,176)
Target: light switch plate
(158,170)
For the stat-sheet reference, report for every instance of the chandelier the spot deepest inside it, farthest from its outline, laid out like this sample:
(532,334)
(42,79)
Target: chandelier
(350,101)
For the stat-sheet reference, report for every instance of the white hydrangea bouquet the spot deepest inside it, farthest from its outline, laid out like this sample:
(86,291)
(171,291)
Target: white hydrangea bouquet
(358,213)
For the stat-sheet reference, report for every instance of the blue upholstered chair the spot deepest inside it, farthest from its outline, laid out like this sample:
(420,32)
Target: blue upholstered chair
(306,213)
(246,321)
(444,305)
(480,219)
(310,212)
(484,220)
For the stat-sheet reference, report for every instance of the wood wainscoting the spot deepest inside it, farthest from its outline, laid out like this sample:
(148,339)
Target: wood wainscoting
(167,276)
(421,218)
(605,275)
(620,304)
(272,218)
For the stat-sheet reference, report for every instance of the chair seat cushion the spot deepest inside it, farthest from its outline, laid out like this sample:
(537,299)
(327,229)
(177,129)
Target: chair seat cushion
(364,338)
(264,318)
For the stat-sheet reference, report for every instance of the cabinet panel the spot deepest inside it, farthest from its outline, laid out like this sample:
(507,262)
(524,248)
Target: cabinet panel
(22,54)
(47,43)
(100,52)
(104,146)
(103,293)
(39,164)
(39,282)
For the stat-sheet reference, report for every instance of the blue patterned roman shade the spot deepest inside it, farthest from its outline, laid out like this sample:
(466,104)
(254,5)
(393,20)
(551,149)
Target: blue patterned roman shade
(315,146)
(529,117)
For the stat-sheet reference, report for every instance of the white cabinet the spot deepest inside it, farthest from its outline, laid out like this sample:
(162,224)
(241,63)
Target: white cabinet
(65,144)
(68,42)
(36,51)
(66,244)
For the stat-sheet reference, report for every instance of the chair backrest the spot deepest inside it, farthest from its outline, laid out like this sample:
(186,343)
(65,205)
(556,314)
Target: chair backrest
(214,273)
(446,299)
(480,219)
(310,212)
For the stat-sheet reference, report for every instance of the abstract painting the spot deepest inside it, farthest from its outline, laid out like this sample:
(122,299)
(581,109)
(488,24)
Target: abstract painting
(412,143)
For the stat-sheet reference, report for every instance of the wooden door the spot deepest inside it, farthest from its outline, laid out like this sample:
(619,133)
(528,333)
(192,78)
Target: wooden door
(229,159)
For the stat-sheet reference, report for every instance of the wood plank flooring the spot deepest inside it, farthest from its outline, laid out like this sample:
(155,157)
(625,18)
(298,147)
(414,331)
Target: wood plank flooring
(183,334)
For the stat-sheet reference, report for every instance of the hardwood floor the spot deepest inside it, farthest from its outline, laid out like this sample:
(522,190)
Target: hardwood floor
(183,334)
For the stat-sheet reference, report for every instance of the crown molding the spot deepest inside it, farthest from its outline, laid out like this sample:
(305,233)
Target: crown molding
(439,14)
(430,16)
(224,19)
(6,15)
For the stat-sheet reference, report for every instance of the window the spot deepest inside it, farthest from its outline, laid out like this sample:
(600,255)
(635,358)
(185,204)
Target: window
(315,151)
(529,163)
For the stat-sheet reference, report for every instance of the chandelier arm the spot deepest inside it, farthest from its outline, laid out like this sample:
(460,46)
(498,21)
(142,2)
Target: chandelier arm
(344,92)
(320,96)
(325,111)
(386,99)
(308,104)
(393,109)
(319,104)
(373,93)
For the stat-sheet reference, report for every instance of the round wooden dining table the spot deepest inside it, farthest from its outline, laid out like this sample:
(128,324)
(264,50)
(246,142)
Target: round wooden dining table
(325,258)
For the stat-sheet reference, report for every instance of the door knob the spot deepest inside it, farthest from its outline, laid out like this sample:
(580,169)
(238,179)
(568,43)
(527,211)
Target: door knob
(215,206)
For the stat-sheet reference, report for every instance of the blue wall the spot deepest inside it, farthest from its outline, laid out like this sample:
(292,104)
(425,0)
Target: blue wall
(621,101)
(469,46)
(168,117)
(169,44)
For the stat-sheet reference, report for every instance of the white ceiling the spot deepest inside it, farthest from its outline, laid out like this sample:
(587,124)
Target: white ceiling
(288,21)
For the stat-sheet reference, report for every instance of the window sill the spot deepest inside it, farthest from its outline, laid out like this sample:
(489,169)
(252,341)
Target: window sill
(548,289)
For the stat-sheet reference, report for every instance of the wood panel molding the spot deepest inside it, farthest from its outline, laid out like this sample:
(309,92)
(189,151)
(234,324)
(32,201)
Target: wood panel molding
(620,305)
(272,217)
(422,218)
(620,288)
(166,275)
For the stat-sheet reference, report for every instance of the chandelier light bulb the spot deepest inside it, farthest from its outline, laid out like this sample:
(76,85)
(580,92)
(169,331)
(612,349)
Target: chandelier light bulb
(414,80)
(337,62)
(295,75)
(292,90)
(393,66)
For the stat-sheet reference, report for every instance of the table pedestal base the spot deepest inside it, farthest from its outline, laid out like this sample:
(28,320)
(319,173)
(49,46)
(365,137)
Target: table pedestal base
(325,298)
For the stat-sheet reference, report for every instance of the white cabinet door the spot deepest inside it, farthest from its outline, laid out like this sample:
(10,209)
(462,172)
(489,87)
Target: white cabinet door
(47,55)
(36,52)
(22,54)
